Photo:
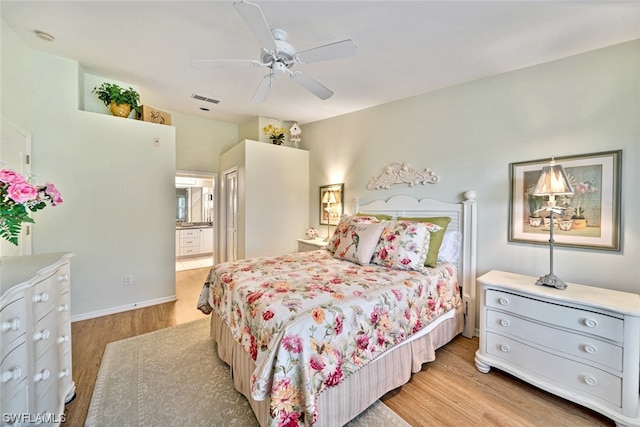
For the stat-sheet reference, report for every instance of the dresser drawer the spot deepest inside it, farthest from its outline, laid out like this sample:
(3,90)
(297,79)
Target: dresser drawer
(191,250)
(588,322)
(14,368)
(14,401)
(45,294)
(581,378)
(588,348)
(12,323)
(189,233)
(189,242)
(45,333)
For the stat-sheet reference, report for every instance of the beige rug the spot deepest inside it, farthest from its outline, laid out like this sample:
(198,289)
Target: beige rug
(157,379)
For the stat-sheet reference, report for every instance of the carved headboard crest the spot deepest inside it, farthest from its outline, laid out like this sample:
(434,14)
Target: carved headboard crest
(402,172)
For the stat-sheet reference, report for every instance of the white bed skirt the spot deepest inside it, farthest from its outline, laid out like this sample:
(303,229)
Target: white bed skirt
(338,405)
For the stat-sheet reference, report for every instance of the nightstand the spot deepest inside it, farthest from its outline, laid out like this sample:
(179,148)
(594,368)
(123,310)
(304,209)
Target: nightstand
(305,245)
(580,343)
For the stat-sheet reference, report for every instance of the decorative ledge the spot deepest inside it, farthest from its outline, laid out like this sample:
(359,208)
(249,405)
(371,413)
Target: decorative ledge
(402,172)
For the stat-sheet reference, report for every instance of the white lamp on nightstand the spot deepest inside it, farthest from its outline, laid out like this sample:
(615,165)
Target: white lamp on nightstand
(553,182)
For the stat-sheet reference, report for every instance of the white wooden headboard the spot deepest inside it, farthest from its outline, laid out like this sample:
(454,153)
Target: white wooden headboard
(463,219)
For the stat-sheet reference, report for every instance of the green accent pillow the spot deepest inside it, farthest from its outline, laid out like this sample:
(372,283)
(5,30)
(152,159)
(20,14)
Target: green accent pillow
(381,217)
(436,237)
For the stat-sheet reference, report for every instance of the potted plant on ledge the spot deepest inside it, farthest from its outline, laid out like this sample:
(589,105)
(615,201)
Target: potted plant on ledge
(119,100)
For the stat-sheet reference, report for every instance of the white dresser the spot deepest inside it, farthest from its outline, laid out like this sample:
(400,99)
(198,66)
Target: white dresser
(581,343)
(35,363)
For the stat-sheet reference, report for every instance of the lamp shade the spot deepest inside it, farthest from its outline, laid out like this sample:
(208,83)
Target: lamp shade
(553,181)
(329,197)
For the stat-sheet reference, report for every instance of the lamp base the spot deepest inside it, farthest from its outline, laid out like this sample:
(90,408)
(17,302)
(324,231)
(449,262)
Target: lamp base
(551,280)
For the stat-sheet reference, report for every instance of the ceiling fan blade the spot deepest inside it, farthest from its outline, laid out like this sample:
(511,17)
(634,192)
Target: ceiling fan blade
(311,85)
(335,50)
(208,63)
(252,15)
(264,88)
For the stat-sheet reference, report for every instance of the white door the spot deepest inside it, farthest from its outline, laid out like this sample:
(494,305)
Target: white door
(15,154)
(230,215)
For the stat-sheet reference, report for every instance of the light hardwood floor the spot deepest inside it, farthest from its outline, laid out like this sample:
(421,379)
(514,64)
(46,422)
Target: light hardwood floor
(447,392)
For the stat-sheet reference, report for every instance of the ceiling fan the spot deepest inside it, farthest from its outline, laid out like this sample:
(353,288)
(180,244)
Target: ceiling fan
(279,56)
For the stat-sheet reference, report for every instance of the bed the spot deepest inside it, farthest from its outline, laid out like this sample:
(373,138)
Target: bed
(314,338)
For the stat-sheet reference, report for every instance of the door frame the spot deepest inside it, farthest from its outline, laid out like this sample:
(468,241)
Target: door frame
(224,220)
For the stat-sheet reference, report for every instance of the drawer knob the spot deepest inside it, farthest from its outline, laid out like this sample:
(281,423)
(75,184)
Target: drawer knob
(12,374)
(41,376)
(11,325)
(42,297)
(64,373)
(504,322)
(590,349)
(63,278)
(504,348)
(591,323)
(503,301)
(42,335)
(590,380)
(63,339)
(63,307)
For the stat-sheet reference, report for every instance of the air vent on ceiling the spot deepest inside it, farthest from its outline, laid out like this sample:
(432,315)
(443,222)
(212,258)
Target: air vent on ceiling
(204,98)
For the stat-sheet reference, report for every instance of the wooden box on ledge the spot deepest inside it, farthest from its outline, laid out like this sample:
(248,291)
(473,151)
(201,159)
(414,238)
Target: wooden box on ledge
(150,114)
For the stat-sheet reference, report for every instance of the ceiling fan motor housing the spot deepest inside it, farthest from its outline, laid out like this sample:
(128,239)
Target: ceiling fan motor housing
(284,54)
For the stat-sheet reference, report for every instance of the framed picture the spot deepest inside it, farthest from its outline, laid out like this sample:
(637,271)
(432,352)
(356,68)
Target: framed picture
(590,216)
(331,203)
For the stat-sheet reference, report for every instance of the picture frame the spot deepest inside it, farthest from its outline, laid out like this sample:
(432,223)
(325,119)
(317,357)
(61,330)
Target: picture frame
(331,203)
(591,216)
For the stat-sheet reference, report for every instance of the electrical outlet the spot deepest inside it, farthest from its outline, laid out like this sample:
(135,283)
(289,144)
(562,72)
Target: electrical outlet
(128,280)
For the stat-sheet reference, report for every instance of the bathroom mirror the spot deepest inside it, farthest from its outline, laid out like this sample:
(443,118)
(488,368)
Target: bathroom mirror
(195,198)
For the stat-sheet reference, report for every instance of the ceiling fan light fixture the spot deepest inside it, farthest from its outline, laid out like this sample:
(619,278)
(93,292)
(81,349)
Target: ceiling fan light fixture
(278,68)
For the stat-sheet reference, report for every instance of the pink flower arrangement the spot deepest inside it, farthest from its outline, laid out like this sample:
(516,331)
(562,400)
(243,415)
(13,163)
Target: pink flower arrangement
(18,197)
(580,189)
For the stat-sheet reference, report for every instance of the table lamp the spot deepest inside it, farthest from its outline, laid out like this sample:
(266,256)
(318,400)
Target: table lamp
(552,182)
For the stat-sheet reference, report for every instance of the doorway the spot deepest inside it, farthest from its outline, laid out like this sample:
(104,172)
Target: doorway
(196,219)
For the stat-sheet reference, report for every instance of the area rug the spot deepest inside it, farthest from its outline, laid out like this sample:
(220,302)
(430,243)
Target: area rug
(173,377)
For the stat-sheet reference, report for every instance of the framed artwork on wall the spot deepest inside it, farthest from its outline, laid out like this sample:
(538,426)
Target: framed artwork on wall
(590,216)
(331,203)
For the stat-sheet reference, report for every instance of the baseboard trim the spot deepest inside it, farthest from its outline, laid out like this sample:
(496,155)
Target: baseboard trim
(120,309)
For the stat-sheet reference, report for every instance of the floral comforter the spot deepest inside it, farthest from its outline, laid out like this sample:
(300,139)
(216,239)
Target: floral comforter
(309,320)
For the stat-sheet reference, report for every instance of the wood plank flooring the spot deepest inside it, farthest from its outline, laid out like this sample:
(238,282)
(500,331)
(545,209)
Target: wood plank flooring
(447,392)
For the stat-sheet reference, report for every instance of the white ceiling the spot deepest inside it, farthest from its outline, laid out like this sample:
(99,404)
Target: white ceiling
(404,48)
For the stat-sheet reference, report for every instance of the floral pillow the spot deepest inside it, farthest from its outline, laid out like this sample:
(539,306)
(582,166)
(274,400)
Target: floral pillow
(343,225)
(359,242)
(404,245)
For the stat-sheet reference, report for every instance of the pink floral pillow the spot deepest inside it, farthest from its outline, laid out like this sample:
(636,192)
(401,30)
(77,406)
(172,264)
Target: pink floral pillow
(404,245)
(359,242)
(343,225)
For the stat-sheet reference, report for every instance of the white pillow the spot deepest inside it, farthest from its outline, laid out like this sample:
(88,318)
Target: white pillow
(450,248)
(359,242)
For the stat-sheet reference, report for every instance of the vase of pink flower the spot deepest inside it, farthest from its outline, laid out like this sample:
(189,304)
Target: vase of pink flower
(18,198)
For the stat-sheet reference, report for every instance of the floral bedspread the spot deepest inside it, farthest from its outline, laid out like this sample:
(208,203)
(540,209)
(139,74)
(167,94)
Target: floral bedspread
(309,320)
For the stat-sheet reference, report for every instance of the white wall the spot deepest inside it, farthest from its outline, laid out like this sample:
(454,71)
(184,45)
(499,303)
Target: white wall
(468,134)
(118,189)
(200,141)
(14,78)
